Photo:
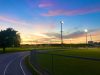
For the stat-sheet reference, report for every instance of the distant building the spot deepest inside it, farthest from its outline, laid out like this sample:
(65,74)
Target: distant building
(97,44)
(94,44)
(91,42)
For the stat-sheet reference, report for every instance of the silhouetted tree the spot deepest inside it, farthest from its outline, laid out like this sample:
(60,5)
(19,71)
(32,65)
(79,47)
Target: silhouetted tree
(9,38)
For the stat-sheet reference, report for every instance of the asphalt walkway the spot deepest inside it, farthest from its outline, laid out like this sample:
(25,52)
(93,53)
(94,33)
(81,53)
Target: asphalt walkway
(13,64)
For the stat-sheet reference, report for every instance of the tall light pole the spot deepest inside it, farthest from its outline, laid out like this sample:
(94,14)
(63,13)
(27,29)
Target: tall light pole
(61,22)
(86,31)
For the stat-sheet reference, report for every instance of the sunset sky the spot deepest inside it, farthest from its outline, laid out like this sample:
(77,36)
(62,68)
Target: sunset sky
(38,21)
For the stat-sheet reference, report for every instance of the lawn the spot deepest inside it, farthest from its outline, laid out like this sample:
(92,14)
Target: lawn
(60,65)
(90,52)
(17,49)
(28,48)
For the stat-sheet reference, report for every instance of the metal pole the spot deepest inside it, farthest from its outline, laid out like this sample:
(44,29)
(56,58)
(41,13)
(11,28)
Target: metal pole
(61,35)
(86,31)
(86,39)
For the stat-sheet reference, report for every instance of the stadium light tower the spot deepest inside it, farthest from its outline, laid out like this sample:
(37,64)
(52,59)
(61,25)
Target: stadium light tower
(86,31)
(61,22)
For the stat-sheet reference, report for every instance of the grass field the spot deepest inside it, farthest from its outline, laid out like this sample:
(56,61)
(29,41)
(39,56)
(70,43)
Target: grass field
(17,49)
(29,48)
(90,52)
(61,65)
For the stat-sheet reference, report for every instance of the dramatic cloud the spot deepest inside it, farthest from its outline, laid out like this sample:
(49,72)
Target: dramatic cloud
(76,34)
(72,35)
(57,35)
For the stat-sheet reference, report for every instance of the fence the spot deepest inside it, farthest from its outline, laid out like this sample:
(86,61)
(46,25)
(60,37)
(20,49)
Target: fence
(35,63)
(55,64)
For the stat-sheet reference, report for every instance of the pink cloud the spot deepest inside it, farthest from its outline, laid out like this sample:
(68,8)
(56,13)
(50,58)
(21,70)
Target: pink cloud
(43,5)
(96,33)
(46,3)
(2,18)
(71,12)
(40,3)
(53,13)
(12,20)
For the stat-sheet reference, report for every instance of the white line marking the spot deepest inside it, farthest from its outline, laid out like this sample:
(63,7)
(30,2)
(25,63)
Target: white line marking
(8,66)
(21,65)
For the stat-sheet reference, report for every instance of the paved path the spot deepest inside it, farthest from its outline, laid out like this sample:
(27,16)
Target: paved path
(13,64)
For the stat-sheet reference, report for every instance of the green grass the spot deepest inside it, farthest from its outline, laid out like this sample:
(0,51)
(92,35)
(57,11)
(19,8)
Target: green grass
(17,49)
(90,52)
(71,66)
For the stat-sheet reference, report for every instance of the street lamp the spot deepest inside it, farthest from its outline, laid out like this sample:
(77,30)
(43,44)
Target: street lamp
(61,22)
(86,31)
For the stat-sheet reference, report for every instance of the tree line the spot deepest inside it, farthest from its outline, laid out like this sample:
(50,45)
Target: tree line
(9,38)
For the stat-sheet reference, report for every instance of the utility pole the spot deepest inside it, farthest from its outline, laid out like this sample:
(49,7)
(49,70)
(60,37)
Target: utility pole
(86,31)
(61,22)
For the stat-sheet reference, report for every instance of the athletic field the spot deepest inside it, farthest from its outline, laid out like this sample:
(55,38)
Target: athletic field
(80,61)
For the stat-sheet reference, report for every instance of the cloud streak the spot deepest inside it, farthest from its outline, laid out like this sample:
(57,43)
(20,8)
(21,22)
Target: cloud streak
(45,5)
(55,8)
(71,12)
(71,35)
(12,20)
